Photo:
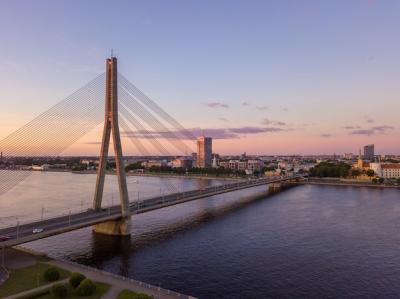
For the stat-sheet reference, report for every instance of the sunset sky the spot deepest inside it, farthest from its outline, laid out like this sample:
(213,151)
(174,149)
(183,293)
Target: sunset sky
(262,77)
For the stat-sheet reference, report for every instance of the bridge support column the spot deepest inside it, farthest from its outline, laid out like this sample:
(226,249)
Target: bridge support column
(111,128)
(120,227)
(274,187)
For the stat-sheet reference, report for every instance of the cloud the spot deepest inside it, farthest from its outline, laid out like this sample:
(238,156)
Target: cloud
(326,135)
(368,119)
(285,109)
(351,127)
(262,107)
(216,133)
(217,105)
(378,130)
(223,119)
(267,122)
(254,130)
(245,104)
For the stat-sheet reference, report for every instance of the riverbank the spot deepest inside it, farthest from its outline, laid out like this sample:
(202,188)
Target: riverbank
(20,260)
(167,175)
(344,182)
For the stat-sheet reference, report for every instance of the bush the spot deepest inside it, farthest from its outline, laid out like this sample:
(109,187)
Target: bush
(127,294)
(86,288)
(51,274)
(59,291)
(141,296)
(76,279)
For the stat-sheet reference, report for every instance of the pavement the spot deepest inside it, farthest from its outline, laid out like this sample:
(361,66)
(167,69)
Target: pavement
(16,296)
(117,283)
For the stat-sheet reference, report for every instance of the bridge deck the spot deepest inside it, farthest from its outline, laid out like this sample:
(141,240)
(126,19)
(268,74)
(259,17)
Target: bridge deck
(24,233)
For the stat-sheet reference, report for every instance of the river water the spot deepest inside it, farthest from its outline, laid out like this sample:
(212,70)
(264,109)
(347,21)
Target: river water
(306,242)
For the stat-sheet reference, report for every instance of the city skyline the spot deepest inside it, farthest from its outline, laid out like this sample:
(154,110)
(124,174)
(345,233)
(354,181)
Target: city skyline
(263,92)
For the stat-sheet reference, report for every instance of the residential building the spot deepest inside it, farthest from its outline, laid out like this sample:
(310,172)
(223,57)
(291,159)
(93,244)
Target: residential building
(243,165)
(386,170)
(182,162)
(390,171)
(154,163)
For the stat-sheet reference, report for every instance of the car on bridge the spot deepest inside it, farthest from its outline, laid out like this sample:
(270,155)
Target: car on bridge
(37,230)
(4,238)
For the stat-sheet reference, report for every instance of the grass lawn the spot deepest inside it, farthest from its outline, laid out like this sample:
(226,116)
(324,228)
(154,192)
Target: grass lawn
(27,278)
(127,294)
(101,289)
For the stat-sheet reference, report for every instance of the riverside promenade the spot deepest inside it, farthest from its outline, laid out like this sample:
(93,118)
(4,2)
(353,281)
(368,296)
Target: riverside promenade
(118,283)
(21,256)
(340,182)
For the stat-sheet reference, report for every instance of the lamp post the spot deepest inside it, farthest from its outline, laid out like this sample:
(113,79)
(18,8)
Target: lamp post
(17,228)
(3,263)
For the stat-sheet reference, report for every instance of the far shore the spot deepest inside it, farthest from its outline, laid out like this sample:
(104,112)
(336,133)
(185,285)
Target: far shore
(353,183)
(169,175)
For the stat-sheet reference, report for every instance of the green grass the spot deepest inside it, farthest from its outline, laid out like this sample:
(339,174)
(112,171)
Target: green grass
(101,289)
(27,278)
(127,294)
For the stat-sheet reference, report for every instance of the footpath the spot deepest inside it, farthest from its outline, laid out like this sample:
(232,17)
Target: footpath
(21,257)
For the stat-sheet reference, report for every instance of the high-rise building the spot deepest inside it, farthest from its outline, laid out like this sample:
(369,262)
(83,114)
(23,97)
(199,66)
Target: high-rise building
(204,152)
(369,152)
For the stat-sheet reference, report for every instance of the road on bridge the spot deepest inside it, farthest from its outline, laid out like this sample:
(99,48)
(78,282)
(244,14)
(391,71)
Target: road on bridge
(24,233)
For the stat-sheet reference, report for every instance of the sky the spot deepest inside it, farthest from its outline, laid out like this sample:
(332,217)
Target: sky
(262,77)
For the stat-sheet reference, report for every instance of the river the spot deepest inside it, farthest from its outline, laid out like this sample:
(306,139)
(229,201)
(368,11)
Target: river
(306,242)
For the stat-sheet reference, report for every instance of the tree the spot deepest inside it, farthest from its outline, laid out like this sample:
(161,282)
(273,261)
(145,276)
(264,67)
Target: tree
(380,180)
(330,169)
(51,274)
(76,279)
(398,181)
(86,288)
(59,291)
(370,173)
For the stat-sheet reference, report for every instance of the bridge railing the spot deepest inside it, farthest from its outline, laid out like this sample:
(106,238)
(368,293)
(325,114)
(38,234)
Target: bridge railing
(137,205)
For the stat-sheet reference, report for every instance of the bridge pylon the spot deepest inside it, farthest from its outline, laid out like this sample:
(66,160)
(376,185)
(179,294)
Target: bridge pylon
(111,127)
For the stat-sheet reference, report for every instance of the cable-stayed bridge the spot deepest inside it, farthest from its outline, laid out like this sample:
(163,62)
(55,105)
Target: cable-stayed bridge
(109,98)
(24,233)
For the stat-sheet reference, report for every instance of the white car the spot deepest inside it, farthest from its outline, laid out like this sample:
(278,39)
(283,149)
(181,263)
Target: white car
(37,230)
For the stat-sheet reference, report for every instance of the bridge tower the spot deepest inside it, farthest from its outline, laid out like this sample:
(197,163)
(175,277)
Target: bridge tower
(119,227)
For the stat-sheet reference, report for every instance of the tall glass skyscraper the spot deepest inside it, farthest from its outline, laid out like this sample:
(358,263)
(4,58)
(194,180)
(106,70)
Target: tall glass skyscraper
(204,152)
(369,152)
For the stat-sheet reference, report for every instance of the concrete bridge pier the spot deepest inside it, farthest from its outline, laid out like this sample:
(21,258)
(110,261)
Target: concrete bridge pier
(274,187)
(119,227)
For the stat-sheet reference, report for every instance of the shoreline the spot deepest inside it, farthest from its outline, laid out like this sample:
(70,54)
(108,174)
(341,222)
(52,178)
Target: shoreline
(117,283)
(166,175)
(350,184)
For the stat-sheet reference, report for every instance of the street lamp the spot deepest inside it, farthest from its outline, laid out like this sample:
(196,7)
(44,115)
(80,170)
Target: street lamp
(17,228)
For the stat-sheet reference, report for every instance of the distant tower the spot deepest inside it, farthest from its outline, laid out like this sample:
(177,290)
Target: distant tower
(360,162)
(204,152)
(369,152)
(111,126)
